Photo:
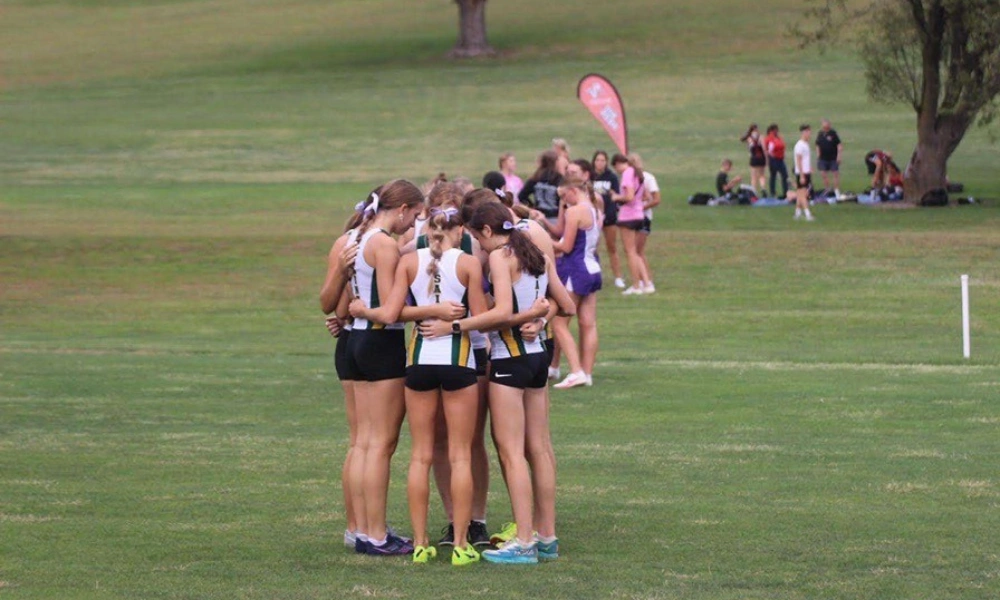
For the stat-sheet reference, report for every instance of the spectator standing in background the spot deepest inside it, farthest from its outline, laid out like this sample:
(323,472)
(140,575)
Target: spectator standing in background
(803,173)
(606,184)
(508,164)
(541,189)
(758,158)
(775,147)
(830,149)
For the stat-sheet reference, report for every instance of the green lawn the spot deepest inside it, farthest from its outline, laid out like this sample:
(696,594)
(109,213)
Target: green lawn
(789,417)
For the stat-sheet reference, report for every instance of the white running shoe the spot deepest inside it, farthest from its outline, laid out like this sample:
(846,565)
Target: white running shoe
(632,291)
(350,538)
(572,380)
(809,217)
(554,373)
(649,289)
(590,380)
(619,283)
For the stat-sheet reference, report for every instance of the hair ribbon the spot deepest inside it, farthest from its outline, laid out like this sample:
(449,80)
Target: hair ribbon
(500,194)
(373,207)
(447,212)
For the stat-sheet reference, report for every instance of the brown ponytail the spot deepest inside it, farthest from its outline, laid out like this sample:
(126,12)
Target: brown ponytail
(359,210)
(444,193)
(396,193)
(635,161)
(496,215)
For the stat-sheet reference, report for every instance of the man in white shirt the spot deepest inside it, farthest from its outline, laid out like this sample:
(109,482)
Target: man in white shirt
(803,173)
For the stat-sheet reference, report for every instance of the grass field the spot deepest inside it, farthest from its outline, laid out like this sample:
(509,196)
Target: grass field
(789,417)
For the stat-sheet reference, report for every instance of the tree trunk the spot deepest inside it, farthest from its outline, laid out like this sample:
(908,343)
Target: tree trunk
(471,30)
(937,138)
(927,170)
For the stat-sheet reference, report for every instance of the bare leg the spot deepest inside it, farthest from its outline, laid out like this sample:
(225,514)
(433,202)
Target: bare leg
(460,409)
(442,468)
(385,408)
(636,268)
(421,409)
(480,459)
(586,314)
(357,468)
(640,246)
(611,242)
(564,340)
(542,459)
(352,453)
(507,411)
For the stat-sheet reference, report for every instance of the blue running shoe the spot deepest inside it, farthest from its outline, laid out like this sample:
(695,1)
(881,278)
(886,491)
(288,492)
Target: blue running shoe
(513,553)
(361,546)
(393,546)
(547,551)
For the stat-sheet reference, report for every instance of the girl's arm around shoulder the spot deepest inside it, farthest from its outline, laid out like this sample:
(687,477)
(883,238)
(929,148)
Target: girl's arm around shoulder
(389,310)
(341,256)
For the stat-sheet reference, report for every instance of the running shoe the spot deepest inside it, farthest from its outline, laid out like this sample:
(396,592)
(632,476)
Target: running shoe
(649,289)
(547,550)
(619,283)
(513,553)
(461,557)
(632,291)
(477,535)
(350,539)
(554,373)
(361,546)
(590,380)
(393,546)
(422,554)
(506,533)
(448,535)
(390,531)
(572,380)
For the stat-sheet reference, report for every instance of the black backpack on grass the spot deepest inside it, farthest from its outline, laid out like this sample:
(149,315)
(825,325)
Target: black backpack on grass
(938,197)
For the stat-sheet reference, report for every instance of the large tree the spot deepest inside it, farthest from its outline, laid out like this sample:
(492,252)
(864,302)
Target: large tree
(471,30)
(942,57)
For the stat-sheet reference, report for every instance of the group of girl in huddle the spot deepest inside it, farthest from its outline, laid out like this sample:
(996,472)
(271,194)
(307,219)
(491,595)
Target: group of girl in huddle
(472,275)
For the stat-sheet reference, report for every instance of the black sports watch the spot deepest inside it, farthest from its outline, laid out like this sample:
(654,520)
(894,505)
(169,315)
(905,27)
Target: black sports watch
(456,327)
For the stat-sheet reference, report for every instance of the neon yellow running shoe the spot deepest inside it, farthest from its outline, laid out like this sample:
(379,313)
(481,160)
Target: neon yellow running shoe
(506,534)
(422,554)
(461,557)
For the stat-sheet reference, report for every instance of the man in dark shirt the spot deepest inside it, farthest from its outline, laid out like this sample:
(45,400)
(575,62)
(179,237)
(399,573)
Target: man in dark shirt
(722,184)
(829,148)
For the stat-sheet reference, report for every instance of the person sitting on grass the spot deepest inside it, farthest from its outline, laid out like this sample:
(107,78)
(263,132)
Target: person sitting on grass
(723,185)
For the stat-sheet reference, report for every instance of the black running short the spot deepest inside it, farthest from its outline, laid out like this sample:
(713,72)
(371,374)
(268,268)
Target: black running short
(424,378)
(610,212)
(340,362)
(482,361)
(528,371)
(377,354)
(807,184)
(635,225)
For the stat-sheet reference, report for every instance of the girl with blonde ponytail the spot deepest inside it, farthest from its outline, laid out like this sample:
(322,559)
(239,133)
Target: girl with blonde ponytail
(445,283)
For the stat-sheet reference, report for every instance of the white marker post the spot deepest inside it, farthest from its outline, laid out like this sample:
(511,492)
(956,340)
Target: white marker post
(966,345)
